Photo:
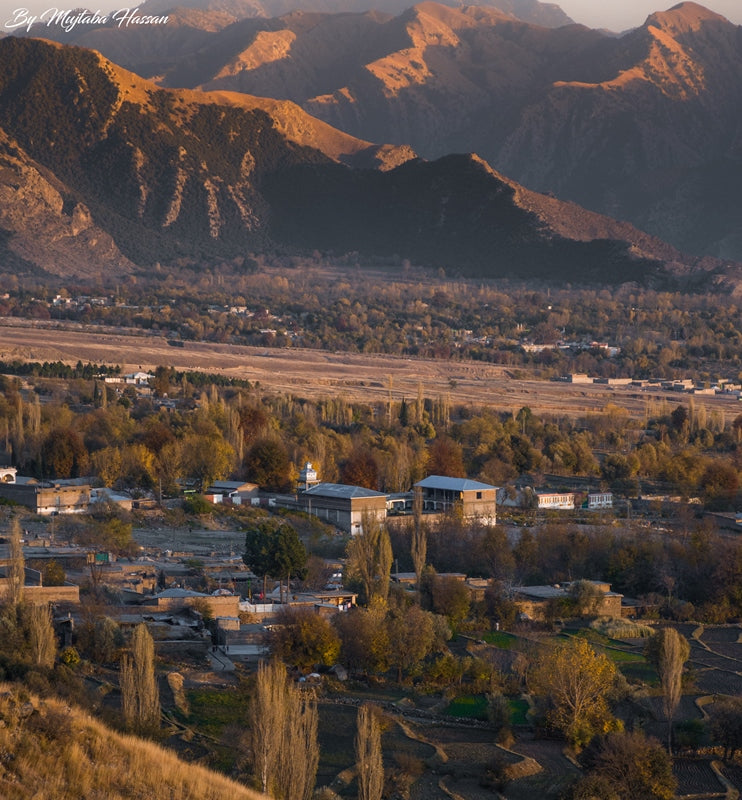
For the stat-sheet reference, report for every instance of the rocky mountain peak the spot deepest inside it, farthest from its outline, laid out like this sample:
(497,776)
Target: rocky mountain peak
(683,18)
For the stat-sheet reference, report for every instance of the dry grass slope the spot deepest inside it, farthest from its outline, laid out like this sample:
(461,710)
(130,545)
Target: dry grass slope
(49,751)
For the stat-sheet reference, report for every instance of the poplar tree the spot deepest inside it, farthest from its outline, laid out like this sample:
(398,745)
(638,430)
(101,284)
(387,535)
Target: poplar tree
(283,736)
(370,558)
(369,765)
(419,544)
(16,569)
(140,697)
(41,638)
(668,650)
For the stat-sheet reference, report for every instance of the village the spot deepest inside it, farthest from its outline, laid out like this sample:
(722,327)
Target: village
(212,623)
(147,500)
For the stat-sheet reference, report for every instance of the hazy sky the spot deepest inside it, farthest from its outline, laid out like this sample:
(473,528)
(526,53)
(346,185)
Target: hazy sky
(617,15)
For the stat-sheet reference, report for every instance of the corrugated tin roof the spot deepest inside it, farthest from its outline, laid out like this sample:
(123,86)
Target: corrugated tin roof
(342,490)
(452,484)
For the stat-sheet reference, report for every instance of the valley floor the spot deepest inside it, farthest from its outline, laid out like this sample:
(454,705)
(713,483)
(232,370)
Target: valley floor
(318,373)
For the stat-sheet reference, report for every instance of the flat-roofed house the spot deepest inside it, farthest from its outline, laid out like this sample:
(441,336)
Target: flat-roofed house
(475,500)
(343,506)
(556,501)
(533,601)
(598,500)
(47,497)
(235,492)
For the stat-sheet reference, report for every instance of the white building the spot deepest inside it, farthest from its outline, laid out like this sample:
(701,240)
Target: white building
(598,500)
(551,501)
(8,474)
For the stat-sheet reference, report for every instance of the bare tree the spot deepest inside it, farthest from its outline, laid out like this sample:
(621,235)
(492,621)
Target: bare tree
(266,723)
(300,751)
(419,544)
(41,638)
(369,765)
(140,697)
(283,736)
(16,570)
(668,650)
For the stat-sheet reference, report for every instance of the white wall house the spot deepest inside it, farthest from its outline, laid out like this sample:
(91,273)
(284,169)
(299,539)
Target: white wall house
(598,500)
(552,501)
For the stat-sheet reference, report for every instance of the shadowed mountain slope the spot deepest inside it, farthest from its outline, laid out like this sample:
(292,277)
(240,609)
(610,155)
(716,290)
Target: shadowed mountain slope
(165,174)
(644,127)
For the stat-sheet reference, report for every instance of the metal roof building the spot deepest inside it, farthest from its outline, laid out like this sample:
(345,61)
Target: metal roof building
(474,500)
(343,506)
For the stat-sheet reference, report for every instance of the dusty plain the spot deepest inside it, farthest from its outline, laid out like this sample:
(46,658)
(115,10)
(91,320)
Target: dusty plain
(317,373)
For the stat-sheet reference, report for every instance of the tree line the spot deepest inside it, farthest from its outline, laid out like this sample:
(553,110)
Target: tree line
(334,305)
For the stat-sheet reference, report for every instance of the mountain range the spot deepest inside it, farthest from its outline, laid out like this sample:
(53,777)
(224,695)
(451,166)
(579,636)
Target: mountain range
(644,127)
(102,168)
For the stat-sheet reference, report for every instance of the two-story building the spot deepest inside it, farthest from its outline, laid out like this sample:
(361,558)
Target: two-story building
(343,506)
(45,497)
(475,500)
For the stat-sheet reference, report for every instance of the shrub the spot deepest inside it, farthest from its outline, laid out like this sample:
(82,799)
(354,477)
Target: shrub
(622,629)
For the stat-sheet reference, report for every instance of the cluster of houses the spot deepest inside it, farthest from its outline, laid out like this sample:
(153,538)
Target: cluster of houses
(343,506)
(553,501)
(153,589)
(684,385)
(572,347)
(346,507)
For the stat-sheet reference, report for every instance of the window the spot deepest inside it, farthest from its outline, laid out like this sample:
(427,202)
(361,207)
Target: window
(479,495)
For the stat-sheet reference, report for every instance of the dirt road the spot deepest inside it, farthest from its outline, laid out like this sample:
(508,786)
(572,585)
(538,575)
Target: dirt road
(317,373)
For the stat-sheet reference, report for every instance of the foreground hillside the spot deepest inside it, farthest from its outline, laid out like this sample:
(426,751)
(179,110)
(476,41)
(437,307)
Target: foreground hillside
(53,752)
(148,174)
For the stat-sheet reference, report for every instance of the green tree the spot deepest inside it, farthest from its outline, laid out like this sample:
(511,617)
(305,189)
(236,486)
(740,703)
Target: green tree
(206,458)
(63,454)
(110,533)
(53,574)
(451,598)
(364,637)
(411,637)
(267,463)
(719,486)
(273,548)
(164,376)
